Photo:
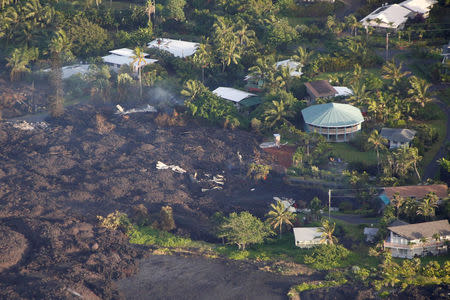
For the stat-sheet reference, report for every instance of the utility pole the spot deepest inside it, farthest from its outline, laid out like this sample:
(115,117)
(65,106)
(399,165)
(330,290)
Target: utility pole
(329,204)
(387,46)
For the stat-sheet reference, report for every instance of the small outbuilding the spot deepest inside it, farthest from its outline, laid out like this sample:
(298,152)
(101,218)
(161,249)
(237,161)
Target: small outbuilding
(336,121)
(307,237)
(398,137)
(295,68)
(320,89)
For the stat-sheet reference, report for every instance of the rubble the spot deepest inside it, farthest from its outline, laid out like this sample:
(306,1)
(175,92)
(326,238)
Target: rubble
(24,125)
(121,111)
(162,166)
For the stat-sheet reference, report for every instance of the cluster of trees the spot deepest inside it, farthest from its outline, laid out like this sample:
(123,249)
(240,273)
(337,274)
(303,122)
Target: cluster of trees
(410,272)
(411,209)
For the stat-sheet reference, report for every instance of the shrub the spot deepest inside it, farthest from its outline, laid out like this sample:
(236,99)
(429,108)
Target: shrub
(114,221)
(166,221)
(346,206)
(326,257)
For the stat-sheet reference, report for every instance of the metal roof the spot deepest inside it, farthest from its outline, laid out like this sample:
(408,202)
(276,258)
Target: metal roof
(177,47)
(307,233)
(419,6)
(401,135)
(232,94)
(125,52)
(293,66)
(332,115)
(390,16)
(124,60)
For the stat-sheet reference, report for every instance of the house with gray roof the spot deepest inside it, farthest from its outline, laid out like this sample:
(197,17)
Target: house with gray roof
(307,237)
(398,137)
(336,121)
(409,241)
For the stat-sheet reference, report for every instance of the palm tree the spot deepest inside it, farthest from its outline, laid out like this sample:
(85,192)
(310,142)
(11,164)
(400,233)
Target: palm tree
(138,58)
(378,143)
(428,205)
(59,45)
(393,72)
(244,36)
(202,58)
(360,95)
(19,60)
(279,215)
(192,88)
(302,56)
(398,202)
(124,80)
(414,158)
(327,231)
(277,112)
(419,90)
(352,23)
(99,78)
(150,10)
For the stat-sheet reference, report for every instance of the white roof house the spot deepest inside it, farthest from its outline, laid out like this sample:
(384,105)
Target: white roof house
(388,16)
(124,56)
(422,7)
(342,91)
(294,67)
(117,60)
(125,52)
(177,47)
(307,237)
(232,94)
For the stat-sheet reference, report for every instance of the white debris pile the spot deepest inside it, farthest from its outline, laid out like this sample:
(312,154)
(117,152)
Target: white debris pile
(162,166)
(24,125)
(121,111)
(287,203)
(209,182)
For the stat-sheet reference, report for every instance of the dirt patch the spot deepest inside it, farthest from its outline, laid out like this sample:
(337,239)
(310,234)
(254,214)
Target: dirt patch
(175,277)
(282,155)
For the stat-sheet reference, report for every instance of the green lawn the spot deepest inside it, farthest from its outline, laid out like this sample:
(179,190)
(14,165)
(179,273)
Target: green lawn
(374,71)
(273,249)
(441,127)
(350,154)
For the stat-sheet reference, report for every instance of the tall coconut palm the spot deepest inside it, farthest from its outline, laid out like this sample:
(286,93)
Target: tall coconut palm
(352,23)
(279,216)
(277,112)
(327,231)
(393,72)
(244,36)
(150,10)
(140,62)
(19,60)
(59,46)
(378,143)
(202,58)
(428,205)
(419,90)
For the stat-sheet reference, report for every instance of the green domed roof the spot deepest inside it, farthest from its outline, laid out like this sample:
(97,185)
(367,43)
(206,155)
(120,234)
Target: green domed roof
(332,115)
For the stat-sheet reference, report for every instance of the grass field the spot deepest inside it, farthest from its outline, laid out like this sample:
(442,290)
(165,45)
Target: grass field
(441,126)
(350,154)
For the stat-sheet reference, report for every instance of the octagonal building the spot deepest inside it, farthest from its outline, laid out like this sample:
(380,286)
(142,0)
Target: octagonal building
(337,122)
